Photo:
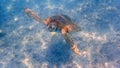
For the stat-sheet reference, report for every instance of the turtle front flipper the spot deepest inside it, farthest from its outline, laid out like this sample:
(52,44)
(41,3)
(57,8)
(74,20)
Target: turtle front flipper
(69,41)
(33,15)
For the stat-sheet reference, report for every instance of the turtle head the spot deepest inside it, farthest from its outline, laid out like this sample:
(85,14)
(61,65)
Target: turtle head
(52,26)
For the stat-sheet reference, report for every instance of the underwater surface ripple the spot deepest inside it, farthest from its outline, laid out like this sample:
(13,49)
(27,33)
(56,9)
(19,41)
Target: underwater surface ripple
(25,43)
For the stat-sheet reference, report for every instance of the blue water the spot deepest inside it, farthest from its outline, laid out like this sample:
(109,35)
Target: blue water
(25,43)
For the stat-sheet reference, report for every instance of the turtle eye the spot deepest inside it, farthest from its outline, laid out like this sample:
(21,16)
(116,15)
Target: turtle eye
(50,29)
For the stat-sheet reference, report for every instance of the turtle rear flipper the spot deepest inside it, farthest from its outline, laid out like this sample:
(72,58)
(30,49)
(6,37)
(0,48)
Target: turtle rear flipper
(73,28)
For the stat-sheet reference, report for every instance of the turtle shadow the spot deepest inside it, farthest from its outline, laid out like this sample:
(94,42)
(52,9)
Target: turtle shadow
(2,34)
(58,52)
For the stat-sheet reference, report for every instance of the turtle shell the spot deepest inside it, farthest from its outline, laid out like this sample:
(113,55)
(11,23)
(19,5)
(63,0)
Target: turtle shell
(62,19)
(65,20)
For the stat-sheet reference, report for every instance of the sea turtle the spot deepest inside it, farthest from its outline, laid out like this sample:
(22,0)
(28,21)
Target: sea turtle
(60,23)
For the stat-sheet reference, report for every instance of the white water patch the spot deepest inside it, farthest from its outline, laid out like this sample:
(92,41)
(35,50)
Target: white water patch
(93,36)
(26,61)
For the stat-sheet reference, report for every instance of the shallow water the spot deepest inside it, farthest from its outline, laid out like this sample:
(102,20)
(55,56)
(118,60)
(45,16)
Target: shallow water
(25,43)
